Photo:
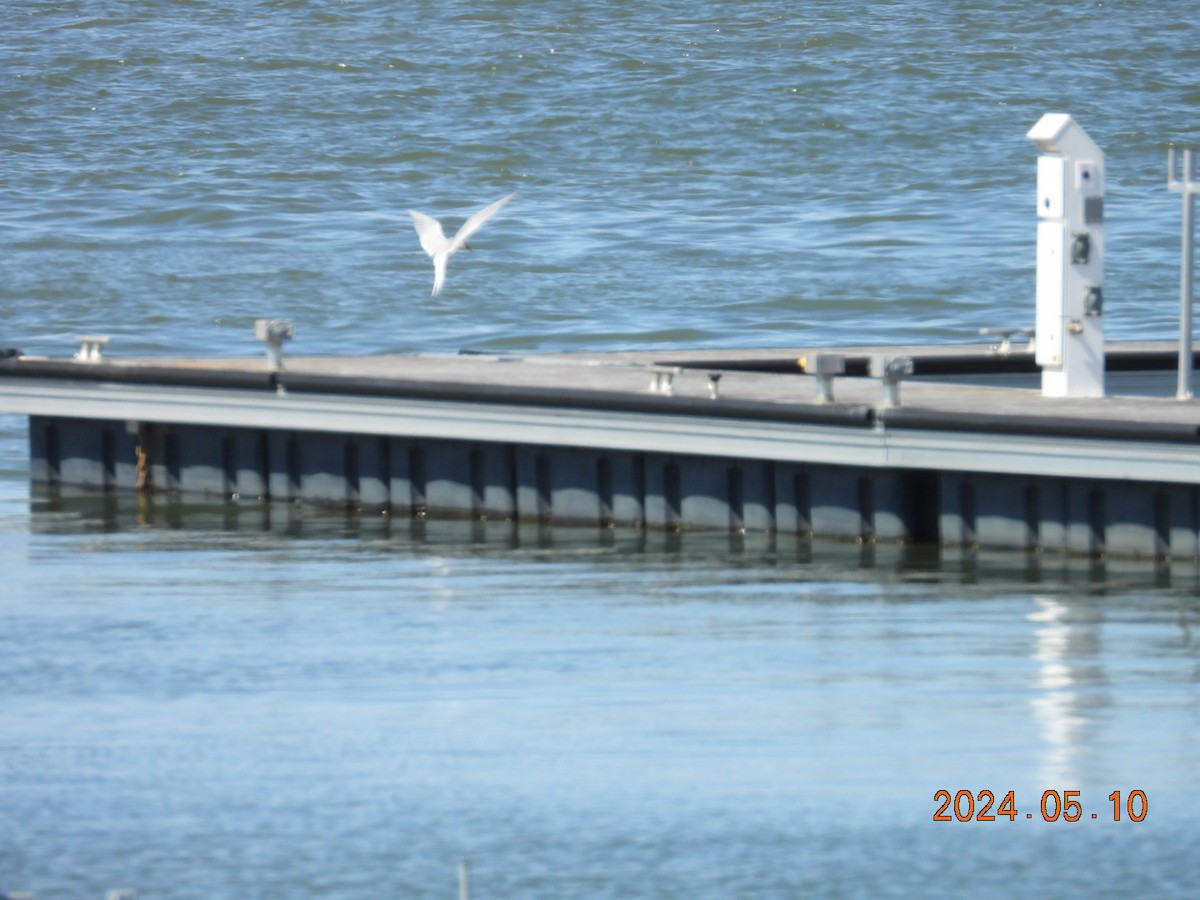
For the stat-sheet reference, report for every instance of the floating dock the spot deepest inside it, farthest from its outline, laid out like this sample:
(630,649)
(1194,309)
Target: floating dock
(907,444)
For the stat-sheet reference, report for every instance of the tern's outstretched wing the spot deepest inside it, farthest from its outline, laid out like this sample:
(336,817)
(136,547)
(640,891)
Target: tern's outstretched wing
(473,224)
(429,230)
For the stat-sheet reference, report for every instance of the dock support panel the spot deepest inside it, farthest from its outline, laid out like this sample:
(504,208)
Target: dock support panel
(607,488)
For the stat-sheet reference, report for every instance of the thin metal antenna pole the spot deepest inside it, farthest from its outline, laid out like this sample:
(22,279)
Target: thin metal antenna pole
(1188,188)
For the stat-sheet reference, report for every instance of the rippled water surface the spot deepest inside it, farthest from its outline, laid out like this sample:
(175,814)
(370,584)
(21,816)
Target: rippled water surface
(752,173)
(200,702)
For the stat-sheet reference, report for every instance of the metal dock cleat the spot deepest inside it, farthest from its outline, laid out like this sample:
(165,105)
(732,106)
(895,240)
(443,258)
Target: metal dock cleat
(90,347)
(891,370)
(825,366)
(1004,348)
(273,332)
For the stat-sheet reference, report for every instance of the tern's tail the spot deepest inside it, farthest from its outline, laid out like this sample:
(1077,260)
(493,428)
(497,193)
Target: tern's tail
(439,273)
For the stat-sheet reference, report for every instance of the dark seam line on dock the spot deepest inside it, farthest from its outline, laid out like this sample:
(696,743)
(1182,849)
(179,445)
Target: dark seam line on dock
(1054,426)
(859,366)
(1144,360)
(167,376)
(1018,363)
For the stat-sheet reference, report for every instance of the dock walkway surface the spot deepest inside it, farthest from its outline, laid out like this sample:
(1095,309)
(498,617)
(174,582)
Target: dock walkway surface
(965,450)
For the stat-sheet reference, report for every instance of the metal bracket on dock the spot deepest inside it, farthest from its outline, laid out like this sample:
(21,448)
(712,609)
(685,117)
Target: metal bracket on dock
(891,370)
(90,347)
(1187,186)
(825,366)
(1006,335)
(662,380)
(273,332)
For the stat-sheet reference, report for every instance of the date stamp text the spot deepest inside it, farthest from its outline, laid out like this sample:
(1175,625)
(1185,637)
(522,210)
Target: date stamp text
(1055,806)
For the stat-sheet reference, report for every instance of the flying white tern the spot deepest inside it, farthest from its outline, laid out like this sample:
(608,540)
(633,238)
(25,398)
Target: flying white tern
(437,245)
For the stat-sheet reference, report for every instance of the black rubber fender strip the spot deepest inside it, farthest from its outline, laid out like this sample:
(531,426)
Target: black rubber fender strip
(856,415)
(849,415)
(1053,426)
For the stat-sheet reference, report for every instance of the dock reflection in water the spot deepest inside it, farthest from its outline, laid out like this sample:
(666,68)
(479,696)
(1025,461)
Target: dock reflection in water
(571,708)
(63,510)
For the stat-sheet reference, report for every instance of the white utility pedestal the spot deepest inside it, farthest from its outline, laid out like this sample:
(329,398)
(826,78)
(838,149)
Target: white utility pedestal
(1070,259)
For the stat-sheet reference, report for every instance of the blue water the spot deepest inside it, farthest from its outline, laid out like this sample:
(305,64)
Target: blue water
(231,701)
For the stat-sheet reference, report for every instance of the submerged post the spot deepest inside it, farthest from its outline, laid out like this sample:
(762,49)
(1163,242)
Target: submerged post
(1188,187)
(1070,259)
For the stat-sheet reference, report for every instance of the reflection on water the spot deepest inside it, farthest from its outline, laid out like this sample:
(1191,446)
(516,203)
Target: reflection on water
(62,510)
(1070,684)
(573,707)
